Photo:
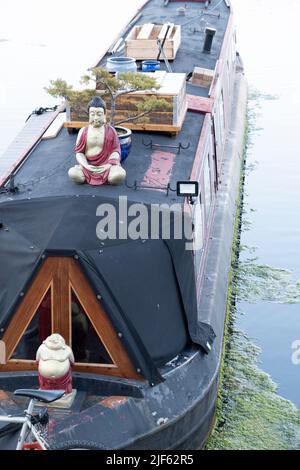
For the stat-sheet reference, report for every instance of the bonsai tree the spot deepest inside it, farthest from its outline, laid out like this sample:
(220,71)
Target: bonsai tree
(113,87)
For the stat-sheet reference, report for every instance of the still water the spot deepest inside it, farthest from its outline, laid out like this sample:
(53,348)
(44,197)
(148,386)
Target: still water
(46,40)
(42,43)
(267,33)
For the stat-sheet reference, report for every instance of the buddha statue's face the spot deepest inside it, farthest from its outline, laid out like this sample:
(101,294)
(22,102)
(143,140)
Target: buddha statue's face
(97,117)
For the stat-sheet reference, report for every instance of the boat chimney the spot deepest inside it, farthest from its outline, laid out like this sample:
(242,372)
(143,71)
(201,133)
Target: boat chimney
(209,36)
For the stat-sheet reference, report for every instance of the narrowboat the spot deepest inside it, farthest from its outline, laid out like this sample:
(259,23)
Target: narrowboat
(143,312)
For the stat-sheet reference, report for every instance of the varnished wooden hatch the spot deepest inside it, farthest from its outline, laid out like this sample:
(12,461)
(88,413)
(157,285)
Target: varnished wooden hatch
(60,300)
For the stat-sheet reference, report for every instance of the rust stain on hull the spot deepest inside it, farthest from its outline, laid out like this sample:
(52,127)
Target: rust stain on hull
(113,402)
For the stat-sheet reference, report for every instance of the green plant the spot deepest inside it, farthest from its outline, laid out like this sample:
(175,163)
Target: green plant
(113,87)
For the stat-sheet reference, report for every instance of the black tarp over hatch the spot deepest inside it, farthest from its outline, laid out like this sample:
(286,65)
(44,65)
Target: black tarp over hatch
(147,286)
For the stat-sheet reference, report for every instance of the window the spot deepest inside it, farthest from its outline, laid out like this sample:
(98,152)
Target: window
(222,114)
(198,230)
(37,331)
(207,185)
(233,52)
(60,300)
(86,344)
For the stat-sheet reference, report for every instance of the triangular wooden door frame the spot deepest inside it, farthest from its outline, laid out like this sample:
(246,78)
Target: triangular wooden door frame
(63,275)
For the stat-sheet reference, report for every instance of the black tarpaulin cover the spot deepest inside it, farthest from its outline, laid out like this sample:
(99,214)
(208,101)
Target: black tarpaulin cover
(147,286)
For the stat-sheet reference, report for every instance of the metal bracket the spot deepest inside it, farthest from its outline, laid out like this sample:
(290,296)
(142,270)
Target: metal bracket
(136,186)
(10,186)
(173,147)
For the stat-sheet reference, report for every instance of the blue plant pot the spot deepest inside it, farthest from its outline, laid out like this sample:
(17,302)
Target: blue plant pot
(121,64)
(150,65)
(124,135)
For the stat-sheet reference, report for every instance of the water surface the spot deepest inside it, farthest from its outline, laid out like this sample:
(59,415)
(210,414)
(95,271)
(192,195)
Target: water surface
(43,40)
(267,39)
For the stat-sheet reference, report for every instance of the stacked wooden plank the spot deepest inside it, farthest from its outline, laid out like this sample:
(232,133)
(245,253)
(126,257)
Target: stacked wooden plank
(202,77)
(145,31)
(141,42)
(55,127)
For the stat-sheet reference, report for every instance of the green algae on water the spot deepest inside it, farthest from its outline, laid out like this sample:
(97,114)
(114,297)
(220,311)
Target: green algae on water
(256,95)
(261,282)
(252,415)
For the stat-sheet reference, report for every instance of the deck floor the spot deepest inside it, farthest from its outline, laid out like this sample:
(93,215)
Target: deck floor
(45,172)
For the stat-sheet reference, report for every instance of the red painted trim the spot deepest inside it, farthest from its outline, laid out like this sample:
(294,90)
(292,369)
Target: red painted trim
(199,104)
(206,129)
(221,61)
(196,170)
(6,175)
(200,152)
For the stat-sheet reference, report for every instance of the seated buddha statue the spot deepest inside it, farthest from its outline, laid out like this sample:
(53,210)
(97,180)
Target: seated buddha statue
(97,150)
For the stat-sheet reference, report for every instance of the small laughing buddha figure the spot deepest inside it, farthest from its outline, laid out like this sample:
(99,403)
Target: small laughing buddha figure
(55,360)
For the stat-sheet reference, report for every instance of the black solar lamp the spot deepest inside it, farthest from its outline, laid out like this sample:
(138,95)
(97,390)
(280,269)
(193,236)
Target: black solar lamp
(188,189)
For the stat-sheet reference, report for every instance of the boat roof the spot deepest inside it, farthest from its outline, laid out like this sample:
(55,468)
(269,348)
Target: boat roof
(51,216)
(190,53)
(44,172)
(38,228)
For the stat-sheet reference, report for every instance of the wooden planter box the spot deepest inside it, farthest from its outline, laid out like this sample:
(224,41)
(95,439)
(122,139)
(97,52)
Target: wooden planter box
(173,90)
(77,113)
(141,41)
